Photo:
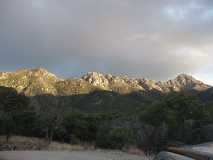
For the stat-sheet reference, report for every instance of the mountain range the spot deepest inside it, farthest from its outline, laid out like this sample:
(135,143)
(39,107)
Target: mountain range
(36,102)
(32,82)
(97,92)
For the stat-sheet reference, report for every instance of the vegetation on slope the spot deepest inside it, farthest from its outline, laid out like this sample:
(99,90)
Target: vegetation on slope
(107,119)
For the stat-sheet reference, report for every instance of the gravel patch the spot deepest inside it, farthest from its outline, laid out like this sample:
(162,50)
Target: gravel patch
(171,156)
(206,147)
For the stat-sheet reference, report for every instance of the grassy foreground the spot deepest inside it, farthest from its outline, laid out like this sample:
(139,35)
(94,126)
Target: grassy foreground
(31,143)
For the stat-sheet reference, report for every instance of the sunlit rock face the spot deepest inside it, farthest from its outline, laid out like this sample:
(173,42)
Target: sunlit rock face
(30,81)
(96,79)
(33,82)
(183,82)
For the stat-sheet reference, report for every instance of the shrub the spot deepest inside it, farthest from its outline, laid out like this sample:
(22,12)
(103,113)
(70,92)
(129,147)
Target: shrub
(114,138)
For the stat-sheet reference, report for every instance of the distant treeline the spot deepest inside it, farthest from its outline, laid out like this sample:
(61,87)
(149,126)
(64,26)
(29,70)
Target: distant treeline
(174,119)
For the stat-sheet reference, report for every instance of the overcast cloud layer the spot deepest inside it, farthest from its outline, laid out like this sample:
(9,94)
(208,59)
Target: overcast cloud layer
(157,39)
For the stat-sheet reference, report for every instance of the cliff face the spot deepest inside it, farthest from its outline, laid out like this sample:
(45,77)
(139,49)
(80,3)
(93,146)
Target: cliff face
(30,81)
(39,81)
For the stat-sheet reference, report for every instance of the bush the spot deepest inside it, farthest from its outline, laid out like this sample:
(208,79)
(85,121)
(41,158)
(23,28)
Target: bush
(74,139)
(114,138)
(120,137)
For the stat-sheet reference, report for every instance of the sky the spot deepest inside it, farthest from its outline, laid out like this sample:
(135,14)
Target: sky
(156,39)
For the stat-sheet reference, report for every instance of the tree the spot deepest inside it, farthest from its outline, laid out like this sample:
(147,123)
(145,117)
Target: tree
(11,105)
(180,114)
(82,126)
(49,114)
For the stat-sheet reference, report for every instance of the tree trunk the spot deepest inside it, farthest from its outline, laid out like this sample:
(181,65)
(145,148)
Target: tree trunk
(7,137)
(51,136)
(47,134)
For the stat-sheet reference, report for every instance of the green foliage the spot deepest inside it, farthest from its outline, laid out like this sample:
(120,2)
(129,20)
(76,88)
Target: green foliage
(99,118)
(81,127)
(25,123)
(184,116)
(119,137)
(11,105)
(114,138)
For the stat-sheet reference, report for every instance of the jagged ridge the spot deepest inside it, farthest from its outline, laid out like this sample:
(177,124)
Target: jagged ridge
(39,81)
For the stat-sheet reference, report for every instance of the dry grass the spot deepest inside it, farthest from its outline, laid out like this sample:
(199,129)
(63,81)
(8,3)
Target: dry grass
(31,143)
(67,147)
(137,151)
(35,144)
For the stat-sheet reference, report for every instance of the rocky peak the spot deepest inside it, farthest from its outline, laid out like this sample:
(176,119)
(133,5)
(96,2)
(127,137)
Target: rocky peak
(184,78)
(183,82)
(96,79)
(190,82)
(41,72)
(110,82)
(150,85)
(37,72)
(30,81)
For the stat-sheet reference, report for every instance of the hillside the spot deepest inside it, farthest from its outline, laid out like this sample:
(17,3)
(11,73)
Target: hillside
(106,110)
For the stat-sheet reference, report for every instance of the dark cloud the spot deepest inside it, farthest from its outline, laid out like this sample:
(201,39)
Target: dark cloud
(156,39)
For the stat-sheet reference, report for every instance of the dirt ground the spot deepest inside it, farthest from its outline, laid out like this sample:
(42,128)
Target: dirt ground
(73,155)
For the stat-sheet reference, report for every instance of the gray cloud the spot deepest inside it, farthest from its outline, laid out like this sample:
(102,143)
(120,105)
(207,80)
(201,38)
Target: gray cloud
(156,39)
